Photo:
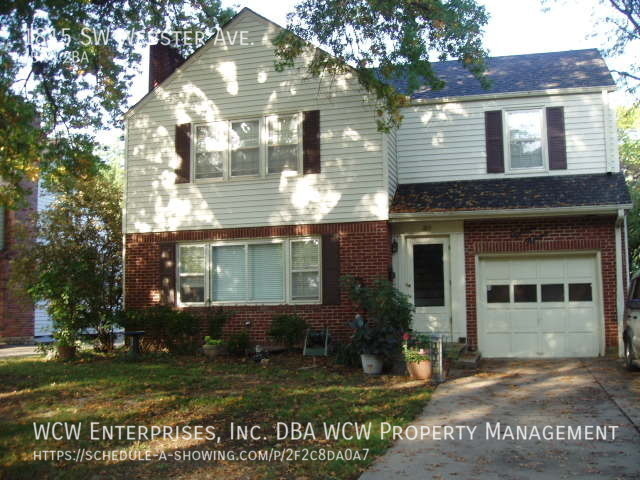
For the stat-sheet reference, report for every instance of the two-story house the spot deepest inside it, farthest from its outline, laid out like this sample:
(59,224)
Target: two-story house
(501,213)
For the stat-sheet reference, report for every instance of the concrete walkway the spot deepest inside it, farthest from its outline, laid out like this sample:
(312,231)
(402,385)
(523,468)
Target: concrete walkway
(8,351)
(526,393)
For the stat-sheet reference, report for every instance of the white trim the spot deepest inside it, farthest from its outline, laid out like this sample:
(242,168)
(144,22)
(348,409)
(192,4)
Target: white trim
(513,212)
(501,96)
(620,294)
(286,264)
(510,170)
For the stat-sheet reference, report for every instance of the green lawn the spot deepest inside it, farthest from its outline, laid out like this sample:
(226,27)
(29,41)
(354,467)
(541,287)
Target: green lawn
(194,391)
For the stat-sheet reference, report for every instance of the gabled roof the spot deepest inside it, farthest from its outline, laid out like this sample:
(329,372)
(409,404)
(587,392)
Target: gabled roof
(556,191)
(520,73)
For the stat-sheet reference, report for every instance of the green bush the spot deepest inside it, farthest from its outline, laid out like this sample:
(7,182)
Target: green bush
(175,331)
(382,303)
(238,344)
(288,329)
(216,318)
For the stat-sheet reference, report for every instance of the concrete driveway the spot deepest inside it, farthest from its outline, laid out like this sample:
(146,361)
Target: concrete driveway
(555,394)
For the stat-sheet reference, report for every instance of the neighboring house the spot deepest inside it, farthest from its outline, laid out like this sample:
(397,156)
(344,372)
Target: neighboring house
(501,213)
(20,321)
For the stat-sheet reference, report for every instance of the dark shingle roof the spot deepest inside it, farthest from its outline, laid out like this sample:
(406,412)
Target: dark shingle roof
(512,193)
(521,73)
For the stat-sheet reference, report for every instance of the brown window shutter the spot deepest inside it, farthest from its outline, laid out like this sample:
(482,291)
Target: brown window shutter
(311,141)
(556,138)
(494,141)
(330,270)
(183,151)
(168,273)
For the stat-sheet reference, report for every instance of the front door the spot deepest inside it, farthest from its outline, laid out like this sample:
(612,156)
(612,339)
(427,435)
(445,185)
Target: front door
(428,284)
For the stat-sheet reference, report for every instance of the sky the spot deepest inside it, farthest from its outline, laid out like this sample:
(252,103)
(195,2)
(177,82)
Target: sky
(515,27)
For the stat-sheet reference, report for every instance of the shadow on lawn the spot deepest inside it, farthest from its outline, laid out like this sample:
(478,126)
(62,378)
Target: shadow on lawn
(180,392)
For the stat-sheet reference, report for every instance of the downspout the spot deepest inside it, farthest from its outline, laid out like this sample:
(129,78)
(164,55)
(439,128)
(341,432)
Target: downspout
(620,222)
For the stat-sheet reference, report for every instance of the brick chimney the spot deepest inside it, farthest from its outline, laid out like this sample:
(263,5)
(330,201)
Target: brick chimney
(163,60)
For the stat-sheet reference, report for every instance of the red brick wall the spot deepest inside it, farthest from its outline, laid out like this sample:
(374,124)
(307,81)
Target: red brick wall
(543,235)
(16,311)
(364,252)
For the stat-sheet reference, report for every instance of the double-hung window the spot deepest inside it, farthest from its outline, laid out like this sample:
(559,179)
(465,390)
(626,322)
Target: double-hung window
(254,147)
(524,135)
(283,143)
(305,269)
(211,146)
(256,271)
(191,273)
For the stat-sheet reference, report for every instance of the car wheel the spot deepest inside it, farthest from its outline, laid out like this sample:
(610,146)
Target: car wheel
(629,356)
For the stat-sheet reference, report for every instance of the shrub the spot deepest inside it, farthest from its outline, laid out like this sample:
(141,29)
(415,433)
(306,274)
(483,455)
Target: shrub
(165,329)
(382,340)
(216,318)
(383,304)
(212,341)
(238,344)
(288,329)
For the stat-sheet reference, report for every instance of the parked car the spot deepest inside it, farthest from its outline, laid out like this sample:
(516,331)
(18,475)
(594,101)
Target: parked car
(631,335)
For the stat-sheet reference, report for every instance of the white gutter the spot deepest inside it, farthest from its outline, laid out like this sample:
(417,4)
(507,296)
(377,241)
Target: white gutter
(620,293)
(513,212)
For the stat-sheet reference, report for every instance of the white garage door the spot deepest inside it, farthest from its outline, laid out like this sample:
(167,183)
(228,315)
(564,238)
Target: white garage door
(539,307)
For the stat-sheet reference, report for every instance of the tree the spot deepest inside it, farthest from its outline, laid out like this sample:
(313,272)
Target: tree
(71,256)
(383,40)
(629,148)
(621,19)
(65,71)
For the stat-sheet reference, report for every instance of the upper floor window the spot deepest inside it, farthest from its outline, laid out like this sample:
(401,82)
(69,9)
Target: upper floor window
(247,148)
(524,134)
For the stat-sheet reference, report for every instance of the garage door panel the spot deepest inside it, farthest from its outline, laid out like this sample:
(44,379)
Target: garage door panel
(553,344)
(496,270)
(561,319)
(581,320)
(523,269)
(550,269)
(498,321)
(524,321)
(581,345)
(553,320)
(524,345)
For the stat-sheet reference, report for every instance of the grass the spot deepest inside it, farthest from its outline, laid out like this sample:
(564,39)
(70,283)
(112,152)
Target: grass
(194,391)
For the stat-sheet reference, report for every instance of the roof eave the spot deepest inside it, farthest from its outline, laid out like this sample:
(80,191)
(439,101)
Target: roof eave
(527,93)
(508,212)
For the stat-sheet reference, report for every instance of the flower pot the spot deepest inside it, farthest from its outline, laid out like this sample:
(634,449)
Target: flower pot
(66,352)
(213,350)
(420,370)
(371,364)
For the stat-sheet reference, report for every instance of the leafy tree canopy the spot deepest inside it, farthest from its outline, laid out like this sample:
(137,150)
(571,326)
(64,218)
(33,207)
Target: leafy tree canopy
(65,72)
(629,148)
(385,39)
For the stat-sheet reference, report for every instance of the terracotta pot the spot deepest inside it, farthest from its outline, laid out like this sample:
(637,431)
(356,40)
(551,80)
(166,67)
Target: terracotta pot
(420,370)
(213,350)
(66,352)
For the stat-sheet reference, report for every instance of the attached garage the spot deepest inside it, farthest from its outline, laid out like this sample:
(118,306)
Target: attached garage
(539,306)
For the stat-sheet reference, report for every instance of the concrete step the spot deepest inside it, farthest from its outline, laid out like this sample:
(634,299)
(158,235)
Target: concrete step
(468,360)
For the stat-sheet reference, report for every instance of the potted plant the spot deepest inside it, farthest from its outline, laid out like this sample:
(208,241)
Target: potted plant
(65,340)
(375,343)
(417,358)
(213,347)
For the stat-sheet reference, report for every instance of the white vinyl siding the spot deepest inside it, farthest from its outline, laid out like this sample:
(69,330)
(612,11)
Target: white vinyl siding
(446,141)
(238,82)
(273,271)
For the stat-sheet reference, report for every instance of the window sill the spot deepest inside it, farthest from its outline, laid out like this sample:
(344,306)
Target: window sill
(249,304)
(520,171)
